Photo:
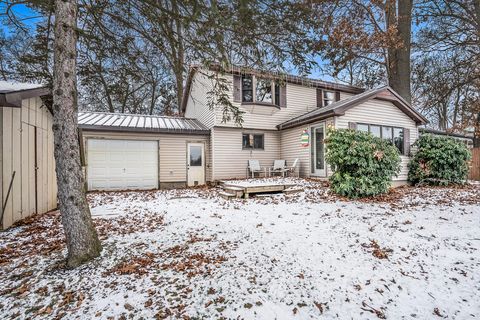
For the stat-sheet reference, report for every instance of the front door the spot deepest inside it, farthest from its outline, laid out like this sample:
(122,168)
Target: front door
(318,151)
(195,164)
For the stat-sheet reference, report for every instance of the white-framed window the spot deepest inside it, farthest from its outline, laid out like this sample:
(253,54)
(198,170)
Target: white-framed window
(392,134)
(329,97)
(253,141)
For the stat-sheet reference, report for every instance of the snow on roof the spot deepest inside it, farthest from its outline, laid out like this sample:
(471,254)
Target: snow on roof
(10,86)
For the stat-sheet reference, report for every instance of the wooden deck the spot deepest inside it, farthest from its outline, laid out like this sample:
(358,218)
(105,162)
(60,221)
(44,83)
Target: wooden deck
(245,189)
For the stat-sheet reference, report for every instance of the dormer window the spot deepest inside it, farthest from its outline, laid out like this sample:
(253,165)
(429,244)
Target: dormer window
(260,90)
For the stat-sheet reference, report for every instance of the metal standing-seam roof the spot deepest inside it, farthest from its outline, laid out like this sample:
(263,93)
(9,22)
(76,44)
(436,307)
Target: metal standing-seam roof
(102,121)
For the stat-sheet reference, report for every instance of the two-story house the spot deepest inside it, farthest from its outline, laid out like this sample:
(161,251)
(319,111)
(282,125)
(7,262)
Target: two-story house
(284,117)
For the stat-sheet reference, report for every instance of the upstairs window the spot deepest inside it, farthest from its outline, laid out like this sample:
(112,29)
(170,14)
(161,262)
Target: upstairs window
(256,89)
(329,97)
(264,91)
(247,88)
(252,141)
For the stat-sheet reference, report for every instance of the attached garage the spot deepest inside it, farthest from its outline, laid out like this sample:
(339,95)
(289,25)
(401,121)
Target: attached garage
(27,164)
(140,152)
(122,164)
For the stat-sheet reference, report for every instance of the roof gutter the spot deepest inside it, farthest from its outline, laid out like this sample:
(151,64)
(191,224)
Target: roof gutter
(14,99)
(317,117)
(85,128)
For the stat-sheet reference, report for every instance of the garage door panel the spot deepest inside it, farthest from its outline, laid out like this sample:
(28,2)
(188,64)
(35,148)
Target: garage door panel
(122,164)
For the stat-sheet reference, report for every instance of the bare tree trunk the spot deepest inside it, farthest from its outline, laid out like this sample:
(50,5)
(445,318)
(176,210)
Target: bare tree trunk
(81,236)
(399,57)
(476,133)
(180,63)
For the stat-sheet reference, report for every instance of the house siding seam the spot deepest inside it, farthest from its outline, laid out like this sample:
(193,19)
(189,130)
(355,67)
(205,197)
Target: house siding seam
(197,105)
(385,113)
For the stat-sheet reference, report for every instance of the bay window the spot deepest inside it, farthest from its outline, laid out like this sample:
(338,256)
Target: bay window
(247,88)
(262,90)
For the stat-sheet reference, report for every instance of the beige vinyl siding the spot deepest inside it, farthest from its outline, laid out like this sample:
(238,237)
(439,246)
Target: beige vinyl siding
(291,146)
(230,160)
(345,95)
(381,113)
(27,137)
(197,104)
(172,154)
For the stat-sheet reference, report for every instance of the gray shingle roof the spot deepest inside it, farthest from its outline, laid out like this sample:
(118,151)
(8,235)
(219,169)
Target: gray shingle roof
(139,123)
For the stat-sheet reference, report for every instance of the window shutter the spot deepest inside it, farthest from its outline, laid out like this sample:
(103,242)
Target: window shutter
(337,95)
(319,98)
(283,95)
(237,88)
(352,125)
(406,141)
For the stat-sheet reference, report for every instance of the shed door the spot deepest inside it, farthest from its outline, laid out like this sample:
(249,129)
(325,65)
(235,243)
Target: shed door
(122,164)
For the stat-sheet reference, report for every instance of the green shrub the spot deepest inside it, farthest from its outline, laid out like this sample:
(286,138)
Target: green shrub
(363,164)
(439,161)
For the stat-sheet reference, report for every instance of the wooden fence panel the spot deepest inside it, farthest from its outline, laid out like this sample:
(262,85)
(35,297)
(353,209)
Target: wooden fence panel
(475,165)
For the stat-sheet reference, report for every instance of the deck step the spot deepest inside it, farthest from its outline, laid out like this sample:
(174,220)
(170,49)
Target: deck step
(238,192)
(226,195)
(292,190)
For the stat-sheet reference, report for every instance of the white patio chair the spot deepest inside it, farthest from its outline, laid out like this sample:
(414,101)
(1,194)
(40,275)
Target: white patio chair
(293,169)
(279,166)
(254,167)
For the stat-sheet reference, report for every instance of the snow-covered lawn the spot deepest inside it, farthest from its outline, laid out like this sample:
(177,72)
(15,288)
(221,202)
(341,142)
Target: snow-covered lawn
(190,254)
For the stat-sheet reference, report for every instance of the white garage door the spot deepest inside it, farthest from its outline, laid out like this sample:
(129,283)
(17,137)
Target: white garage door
(122,164)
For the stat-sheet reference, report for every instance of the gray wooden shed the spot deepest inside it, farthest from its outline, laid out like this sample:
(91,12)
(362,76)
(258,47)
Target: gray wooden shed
(27,165)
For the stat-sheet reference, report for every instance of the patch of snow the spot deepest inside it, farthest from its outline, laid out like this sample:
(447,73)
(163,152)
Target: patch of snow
(8,86)
(176,253)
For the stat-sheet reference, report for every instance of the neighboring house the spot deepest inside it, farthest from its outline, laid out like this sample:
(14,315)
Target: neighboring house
(27,165)
(280,112)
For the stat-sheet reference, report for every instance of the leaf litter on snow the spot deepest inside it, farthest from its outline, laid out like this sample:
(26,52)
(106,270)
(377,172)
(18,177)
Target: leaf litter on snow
(188,253)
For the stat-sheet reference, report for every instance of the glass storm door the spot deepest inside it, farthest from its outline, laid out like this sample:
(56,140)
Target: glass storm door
(195,164)
(318,151)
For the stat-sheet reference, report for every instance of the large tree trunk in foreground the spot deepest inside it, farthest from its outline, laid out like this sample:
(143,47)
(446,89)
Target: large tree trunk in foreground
(398,62)
(81,236)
